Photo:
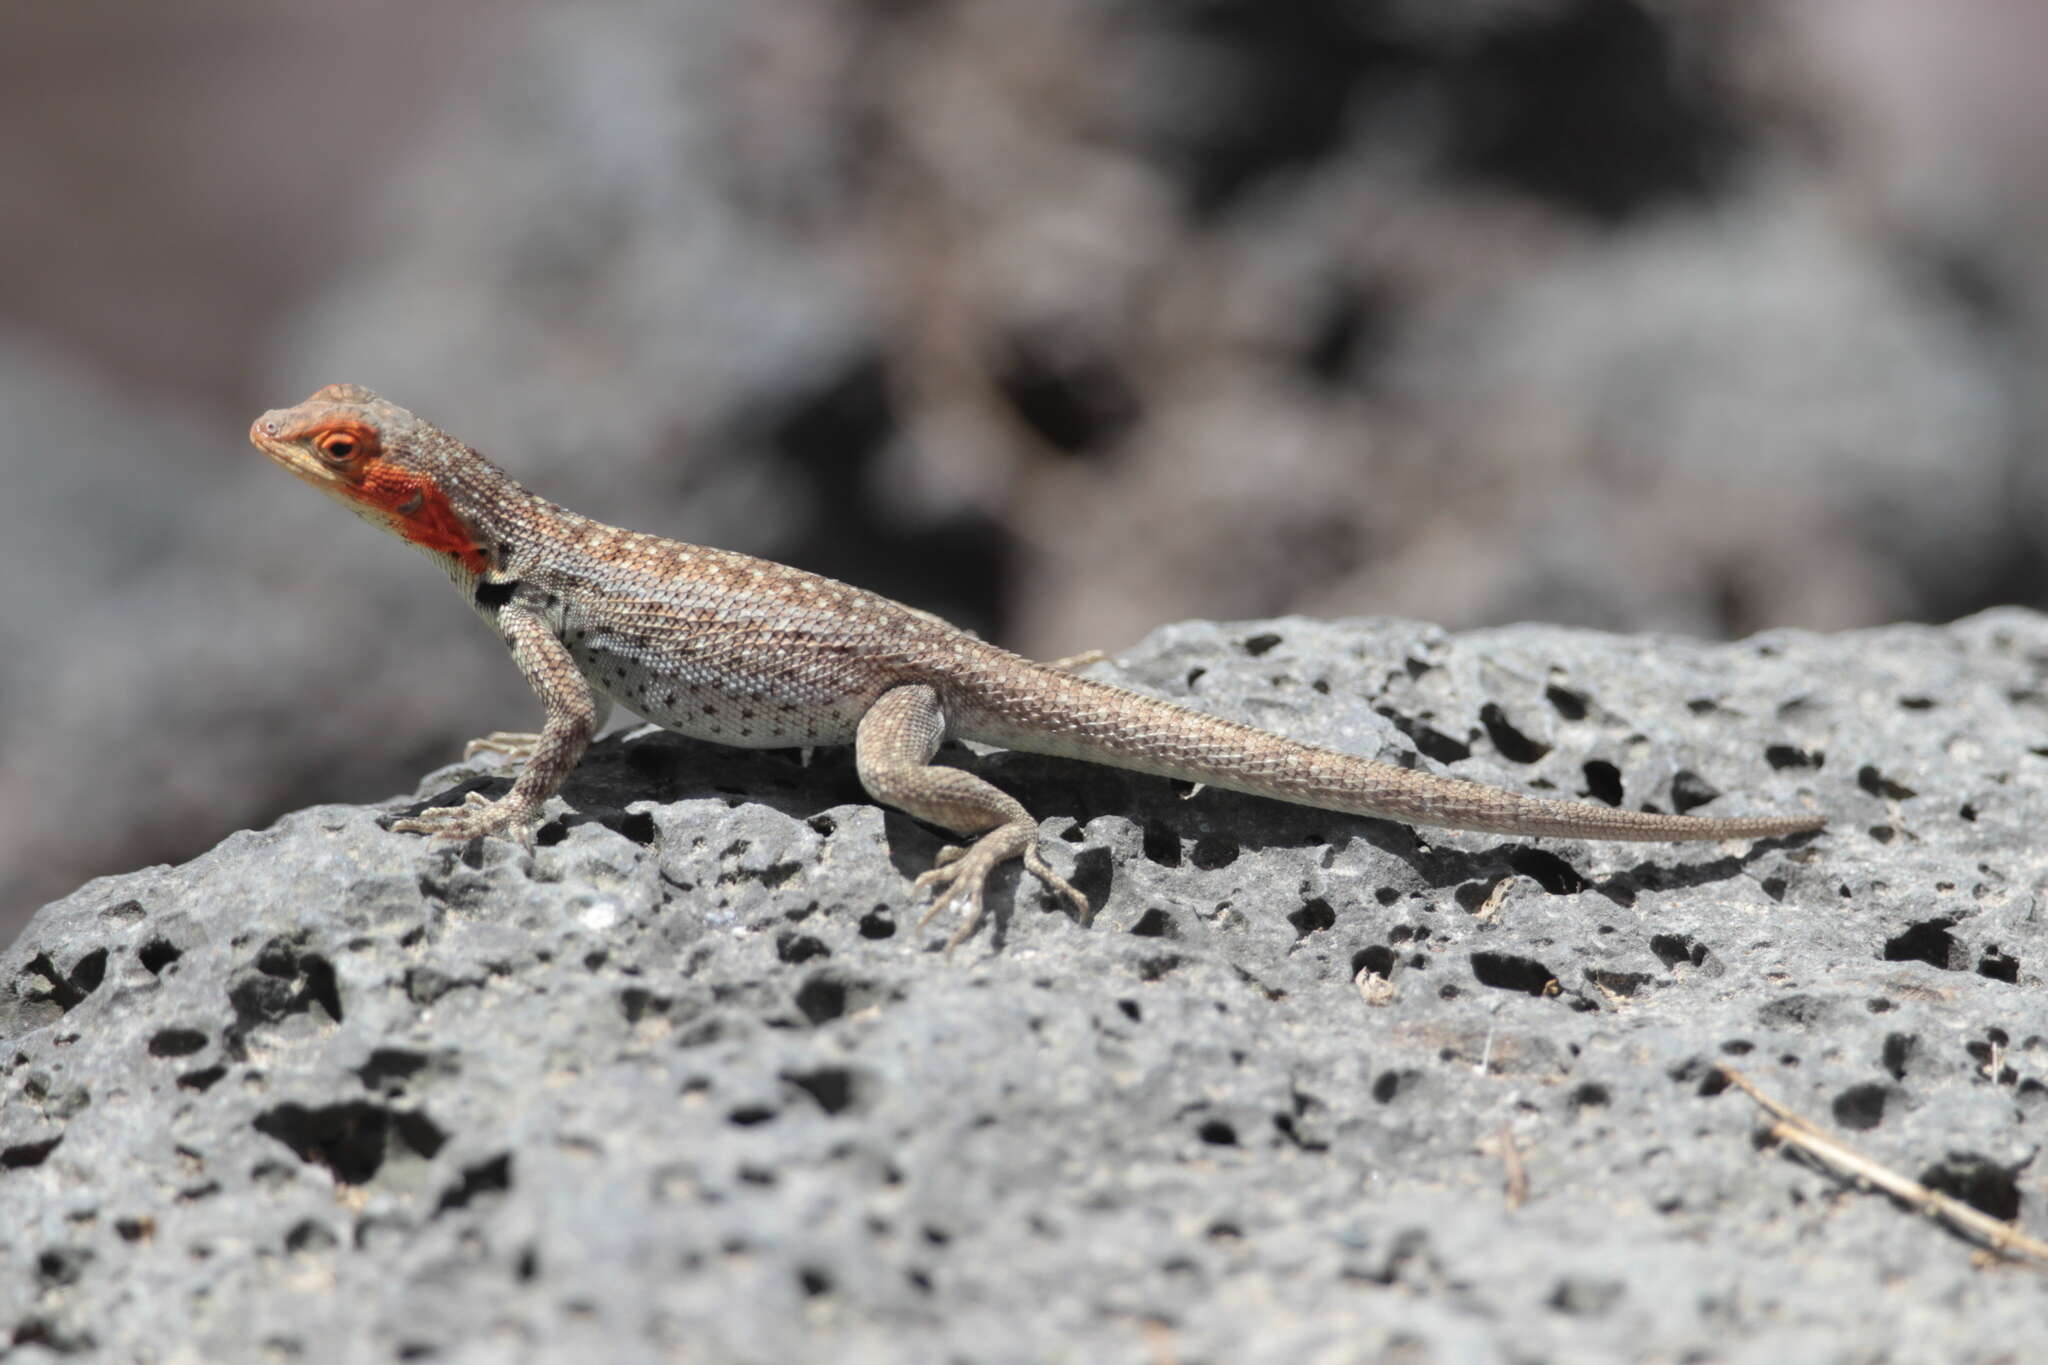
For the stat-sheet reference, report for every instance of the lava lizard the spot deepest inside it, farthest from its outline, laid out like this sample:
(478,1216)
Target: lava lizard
(742,651)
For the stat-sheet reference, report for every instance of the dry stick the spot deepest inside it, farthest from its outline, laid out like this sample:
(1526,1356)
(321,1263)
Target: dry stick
(2003,1238)
(1517,1188)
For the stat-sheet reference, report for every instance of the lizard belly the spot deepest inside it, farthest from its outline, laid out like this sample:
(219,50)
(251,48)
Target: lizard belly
(746,708)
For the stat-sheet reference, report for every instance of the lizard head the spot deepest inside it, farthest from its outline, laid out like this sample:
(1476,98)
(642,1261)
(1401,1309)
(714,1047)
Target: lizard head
(378,460)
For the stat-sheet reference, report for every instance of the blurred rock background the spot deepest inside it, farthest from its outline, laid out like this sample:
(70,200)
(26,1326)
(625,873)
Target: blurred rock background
(1063,319)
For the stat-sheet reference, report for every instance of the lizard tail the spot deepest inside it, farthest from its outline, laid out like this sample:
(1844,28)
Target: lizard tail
(1044,711)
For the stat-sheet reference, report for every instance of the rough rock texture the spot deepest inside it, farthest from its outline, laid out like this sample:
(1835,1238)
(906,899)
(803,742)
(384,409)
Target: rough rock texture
(685,1083)
(1689,315)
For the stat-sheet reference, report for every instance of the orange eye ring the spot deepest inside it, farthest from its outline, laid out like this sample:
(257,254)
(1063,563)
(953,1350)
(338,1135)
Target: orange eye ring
(339,447)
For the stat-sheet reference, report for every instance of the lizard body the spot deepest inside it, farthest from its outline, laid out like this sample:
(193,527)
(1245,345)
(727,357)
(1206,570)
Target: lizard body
(726,647)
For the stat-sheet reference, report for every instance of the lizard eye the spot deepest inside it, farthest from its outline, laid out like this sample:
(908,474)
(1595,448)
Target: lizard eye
(338,446)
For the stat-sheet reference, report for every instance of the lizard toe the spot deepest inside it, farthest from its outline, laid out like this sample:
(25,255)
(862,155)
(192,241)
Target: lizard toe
(959,883)
(1035,864)
(513,744)
(477,815)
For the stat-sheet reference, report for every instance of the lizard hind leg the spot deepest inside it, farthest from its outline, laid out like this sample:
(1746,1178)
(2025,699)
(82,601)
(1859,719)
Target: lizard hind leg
(892,752)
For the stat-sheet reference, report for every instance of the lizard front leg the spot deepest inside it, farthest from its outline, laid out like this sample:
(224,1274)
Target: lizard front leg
(893,752)
(572,714)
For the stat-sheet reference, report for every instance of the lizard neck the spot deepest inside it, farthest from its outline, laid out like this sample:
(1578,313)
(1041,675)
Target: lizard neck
(467,515)
(479,521)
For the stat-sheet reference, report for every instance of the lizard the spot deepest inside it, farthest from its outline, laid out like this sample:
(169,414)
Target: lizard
(742,651)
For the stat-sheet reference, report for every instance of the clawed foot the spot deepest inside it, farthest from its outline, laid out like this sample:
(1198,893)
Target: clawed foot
(960,875)
(477,814)
(517,745)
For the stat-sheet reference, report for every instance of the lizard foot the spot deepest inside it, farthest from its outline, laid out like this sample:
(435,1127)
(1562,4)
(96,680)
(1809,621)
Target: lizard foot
(513,744)
(477,814)
(956,880)
(960,875)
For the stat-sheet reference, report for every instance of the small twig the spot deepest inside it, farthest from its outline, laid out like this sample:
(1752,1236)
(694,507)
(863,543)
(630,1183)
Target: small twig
(1517,1188)
(1793,1130)
(1486,1054)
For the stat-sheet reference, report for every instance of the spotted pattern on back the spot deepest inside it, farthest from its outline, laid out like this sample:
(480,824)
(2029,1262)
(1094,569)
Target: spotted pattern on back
(726,647)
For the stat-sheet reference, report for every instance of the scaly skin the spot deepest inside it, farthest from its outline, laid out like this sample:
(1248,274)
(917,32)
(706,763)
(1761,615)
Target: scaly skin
(725,647)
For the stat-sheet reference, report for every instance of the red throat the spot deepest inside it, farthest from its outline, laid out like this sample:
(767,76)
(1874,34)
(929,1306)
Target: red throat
(420,512)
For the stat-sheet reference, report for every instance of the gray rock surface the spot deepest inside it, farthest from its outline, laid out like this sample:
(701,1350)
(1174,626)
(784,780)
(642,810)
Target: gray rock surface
(1686,316)
(686,1082)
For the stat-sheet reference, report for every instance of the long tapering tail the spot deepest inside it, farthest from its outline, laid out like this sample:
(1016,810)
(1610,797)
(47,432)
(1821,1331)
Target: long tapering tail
(1045,711)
